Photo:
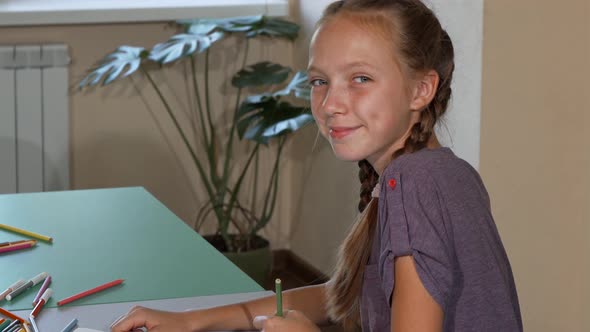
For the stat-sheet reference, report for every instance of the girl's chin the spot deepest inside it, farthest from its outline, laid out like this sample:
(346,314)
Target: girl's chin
(348,155)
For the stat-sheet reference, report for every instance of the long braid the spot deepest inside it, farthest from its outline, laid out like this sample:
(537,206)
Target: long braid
(368,178)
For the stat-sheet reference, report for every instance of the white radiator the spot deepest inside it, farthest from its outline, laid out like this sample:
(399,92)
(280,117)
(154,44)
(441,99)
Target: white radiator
(34,118)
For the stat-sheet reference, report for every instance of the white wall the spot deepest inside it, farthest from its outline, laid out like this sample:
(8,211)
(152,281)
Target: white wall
(463,20)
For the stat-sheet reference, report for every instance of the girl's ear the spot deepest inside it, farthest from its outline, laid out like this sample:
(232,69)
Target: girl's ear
(424,90)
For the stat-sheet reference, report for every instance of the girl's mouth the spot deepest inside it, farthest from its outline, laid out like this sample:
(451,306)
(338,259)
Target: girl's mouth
(341,132)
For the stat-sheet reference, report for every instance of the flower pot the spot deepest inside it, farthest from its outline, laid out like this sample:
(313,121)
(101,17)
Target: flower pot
(256,263)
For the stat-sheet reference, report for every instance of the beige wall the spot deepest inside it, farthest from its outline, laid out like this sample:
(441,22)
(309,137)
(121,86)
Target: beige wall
(535,152)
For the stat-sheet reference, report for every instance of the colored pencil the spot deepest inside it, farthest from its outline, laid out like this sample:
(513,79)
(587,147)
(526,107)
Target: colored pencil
(42,289)
(5,324)
(89,292)
(70,326)
(11,288)
(26,233)
(34,281)
(4,244)
(37,309)
(279,293)
(19,246)
(10,315)
(11,326)
(33,324)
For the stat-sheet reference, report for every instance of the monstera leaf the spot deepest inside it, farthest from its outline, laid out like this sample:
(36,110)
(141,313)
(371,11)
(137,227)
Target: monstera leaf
(251,26)
(262,117)
(298,86)
(181,45)
(261,73)
(113,65)
(274,27)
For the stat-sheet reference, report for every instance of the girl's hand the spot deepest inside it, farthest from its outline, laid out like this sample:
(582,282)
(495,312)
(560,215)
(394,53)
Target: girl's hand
(152,320)
(294,321)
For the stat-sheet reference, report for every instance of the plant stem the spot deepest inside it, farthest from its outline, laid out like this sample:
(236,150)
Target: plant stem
(228,156)
(255,182)
(235,191)
(230,138)
(182,134)
(199,104)
(272,190)
(211,151)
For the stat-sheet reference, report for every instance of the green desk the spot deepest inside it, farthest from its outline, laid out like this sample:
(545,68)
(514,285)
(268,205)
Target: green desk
(106,234)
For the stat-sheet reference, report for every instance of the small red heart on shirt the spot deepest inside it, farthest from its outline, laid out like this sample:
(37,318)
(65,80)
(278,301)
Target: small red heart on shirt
(392,183)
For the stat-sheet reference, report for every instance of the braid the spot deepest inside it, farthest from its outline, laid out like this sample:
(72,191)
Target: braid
(368,178)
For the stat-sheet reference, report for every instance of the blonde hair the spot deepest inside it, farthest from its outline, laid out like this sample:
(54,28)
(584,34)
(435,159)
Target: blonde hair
(422,44)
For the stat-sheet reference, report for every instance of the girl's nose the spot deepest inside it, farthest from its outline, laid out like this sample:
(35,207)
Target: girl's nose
(334,101)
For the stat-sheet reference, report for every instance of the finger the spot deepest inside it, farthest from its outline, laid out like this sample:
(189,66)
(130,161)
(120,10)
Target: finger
(258,322)
(131,311)
(133,320)
(118,320)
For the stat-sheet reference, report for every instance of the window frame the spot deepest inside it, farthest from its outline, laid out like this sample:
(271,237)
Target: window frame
(43,12)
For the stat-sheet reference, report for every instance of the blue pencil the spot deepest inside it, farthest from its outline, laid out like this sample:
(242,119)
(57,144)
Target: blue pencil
(70,326)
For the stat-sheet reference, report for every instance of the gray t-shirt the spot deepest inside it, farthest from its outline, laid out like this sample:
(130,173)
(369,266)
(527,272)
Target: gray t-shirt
(438,210)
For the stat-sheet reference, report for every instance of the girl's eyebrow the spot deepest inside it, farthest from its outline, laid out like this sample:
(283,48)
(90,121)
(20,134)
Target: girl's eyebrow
(355,64)
(312,68)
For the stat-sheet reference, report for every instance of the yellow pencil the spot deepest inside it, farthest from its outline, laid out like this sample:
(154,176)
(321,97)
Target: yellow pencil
(26,233)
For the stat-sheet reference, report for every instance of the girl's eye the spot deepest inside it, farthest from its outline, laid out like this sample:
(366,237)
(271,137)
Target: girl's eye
(361,79)
(317,82)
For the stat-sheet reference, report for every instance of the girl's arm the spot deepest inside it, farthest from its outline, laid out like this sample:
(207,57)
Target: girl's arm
(309,300)
(412,308)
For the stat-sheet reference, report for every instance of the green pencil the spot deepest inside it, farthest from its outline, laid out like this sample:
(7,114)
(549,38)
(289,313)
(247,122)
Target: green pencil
(5,324)
(279,292)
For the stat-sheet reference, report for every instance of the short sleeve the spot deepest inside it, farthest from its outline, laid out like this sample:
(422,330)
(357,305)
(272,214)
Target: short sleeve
(412,222)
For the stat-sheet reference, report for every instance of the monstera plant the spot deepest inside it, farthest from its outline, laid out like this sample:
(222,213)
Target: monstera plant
(258,121)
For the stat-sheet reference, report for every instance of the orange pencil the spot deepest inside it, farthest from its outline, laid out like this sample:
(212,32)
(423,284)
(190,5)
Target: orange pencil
(3,244)
(89,292)
(11,315)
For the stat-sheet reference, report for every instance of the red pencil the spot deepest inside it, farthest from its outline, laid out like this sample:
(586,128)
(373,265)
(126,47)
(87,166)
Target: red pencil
(89,292)
(19,246)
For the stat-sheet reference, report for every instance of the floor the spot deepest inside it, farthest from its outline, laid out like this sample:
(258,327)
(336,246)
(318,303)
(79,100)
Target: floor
(293,271)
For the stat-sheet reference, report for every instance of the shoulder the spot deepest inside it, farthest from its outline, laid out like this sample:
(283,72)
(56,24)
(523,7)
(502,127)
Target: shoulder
(431,172)
(427,161)
(436,165)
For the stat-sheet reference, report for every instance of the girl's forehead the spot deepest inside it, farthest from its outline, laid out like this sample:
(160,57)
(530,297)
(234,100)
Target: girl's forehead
(342,40)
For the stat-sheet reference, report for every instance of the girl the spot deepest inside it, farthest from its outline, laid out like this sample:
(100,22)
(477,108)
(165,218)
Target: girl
(425,254)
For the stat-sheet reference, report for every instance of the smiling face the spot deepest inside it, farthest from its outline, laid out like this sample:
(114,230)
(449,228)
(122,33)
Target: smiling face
(360,99)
